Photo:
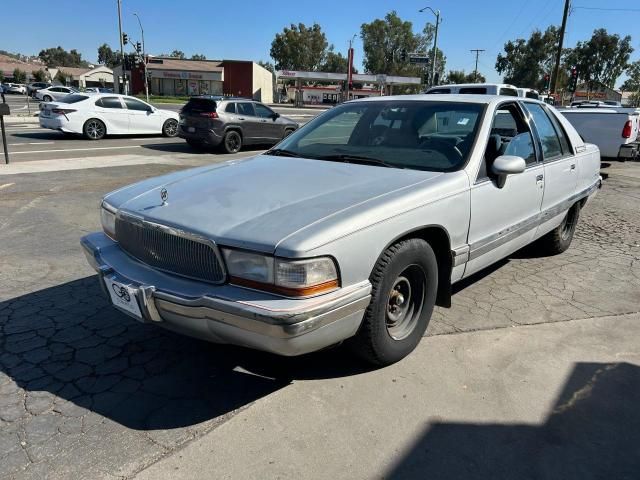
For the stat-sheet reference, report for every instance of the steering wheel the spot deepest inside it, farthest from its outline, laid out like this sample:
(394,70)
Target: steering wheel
(442,147)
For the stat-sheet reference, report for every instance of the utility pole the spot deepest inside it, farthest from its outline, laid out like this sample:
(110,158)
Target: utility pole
(124,75)
(144,60)
(556,68)
(350,66)
(475,72)
(435,42)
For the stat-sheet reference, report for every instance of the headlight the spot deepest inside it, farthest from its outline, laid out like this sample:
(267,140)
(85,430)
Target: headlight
(294,278)
(108,219)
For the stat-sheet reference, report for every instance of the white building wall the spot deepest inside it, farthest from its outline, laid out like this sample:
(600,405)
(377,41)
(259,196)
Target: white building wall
(262,84)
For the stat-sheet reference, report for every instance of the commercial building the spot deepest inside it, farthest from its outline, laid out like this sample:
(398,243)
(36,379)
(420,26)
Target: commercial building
(100,76)
(176,77)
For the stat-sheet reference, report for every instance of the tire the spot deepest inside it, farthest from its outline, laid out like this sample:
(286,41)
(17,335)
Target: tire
(405,284)
(170,128)
(559,239)
(288,132)
(47,98)
(232,142)
(94,129)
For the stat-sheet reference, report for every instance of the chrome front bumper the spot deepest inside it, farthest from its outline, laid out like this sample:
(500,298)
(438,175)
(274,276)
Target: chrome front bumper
(231,314)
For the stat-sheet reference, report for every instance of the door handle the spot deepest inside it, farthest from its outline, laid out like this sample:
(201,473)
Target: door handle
(573,166)
(241,118)
(539,178)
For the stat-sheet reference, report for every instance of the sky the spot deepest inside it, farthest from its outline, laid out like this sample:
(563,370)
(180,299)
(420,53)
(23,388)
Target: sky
(244,30)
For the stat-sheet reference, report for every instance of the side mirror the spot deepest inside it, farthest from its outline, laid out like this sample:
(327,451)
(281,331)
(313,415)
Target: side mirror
(275,115)
(506,165)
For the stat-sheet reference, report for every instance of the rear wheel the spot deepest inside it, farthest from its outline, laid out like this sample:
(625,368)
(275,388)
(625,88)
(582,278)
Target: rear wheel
(405,283)
(287,132)
(232,142)
(170,128)
(47,98)
(94,129)
(559,239)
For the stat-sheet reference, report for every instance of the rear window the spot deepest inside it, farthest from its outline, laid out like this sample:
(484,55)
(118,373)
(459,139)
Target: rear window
(198,105)
(533,95)
(474,90)
(73,98)
(509,92)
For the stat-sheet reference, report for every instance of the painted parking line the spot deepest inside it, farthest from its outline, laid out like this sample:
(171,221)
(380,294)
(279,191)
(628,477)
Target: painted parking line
(6,185)
(76,149)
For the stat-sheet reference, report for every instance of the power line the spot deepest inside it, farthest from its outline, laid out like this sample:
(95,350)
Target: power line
(608,9)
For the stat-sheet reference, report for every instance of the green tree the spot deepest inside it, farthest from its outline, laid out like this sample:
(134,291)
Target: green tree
(525,62)
(632,83)
(459,76)
(40,75)
(59,57)
(107,57)
(178,54)
(335,62)
(385,40)
(62,77)
(19,76)
(603,58)
(1,77)
(198,56)
(299,47)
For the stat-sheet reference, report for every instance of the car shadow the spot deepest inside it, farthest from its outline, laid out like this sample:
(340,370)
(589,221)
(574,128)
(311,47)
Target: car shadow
(69,341)
(592,432)
(184,147)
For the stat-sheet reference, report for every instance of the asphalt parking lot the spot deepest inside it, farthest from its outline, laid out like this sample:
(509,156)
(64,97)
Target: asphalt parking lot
(85,392)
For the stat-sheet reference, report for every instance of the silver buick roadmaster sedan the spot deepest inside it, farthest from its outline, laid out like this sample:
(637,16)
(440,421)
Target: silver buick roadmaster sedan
(351,229)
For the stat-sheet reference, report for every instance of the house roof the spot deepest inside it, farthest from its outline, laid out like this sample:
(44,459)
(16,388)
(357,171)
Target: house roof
(163,63)
(7,68)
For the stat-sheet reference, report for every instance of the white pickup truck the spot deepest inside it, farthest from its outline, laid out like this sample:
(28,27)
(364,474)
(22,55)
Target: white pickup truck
(613,129)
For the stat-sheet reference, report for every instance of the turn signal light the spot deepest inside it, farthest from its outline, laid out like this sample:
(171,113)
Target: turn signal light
(626,131)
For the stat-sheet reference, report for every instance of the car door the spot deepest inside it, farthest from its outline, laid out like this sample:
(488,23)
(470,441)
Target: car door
(143,118)
(270,129)
(248,121)
(114,114)
(560,174)
(505,219)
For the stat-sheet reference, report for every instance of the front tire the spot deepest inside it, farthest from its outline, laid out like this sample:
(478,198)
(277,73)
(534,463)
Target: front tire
(47,98)
(559,239)
(405,283)
(232,142)
(170,128)
(94,129)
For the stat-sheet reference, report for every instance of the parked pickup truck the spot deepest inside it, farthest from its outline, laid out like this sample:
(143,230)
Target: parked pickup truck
(350,229)
(613,129)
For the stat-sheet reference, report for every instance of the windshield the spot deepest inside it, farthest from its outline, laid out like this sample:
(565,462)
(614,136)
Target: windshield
(420,135)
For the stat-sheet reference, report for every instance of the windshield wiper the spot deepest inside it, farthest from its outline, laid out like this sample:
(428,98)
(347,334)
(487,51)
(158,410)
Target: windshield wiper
(348,158)
(279,152)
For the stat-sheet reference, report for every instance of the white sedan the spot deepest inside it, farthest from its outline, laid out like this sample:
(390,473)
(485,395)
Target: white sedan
(97,115)
(56,92)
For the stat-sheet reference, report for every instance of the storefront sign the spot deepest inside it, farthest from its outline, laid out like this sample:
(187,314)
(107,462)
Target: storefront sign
(185,75)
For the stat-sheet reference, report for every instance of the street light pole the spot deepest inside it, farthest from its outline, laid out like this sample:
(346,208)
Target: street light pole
(435,42)
(124,75)
(144,60)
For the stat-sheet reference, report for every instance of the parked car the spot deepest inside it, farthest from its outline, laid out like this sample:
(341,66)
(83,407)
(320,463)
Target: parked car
(529,93)
(16,88)
(614,130)
(100,114)
(476,89)
(56,92)
(351,229)
(32,88)
(97,90)
(231,123)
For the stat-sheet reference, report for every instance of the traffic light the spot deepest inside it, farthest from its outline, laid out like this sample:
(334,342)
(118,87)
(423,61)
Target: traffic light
(138,47)
(125,39)
(547,81)
(573,81)
(403,55)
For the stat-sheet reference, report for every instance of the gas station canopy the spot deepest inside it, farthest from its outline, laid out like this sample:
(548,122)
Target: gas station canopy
(341,77)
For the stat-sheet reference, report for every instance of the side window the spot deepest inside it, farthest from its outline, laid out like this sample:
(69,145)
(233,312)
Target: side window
(55,89)
(230,108)
(439,91)
(133,104)
(550,142)
(509,135)
(473,90)
(245,108)
(110,102)
(564,142)
(509,92)
(263,111)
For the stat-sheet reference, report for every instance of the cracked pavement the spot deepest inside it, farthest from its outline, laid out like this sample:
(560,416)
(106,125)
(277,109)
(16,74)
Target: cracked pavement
(86,392)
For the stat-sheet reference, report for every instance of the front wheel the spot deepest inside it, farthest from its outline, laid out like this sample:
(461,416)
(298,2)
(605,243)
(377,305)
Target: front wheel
(46,98)
(232,142)
(405,283)
(170,128)
(94,129)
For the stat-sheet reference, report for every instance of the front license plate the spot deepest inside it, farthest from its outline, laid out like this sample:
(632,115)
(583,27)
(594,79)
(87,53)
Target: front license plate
(191,129)
(123,296)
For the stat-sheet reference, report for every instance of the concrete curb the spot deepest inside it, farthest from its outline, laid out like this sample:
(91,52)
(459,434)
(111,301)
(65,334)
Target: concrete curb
(15,119)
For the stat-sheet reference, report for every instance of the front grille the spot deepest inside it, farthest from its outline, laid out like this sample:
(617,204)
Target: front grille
(169,252)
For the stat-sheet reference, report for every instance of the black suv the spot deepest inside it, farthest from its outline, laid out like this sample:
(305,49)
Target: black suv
(230,123)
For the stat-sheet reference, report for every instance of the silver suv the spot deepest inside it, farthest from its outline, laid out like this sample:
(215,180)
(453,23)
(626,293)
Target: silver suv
(230,123)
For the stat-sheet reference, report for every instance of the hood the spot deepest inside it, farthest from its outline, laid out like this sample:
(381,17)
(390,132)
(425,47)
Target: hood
(256,203)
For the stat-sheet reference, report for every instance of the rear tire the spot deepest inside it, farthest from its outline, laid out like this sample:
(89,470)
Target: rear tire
(559,239)
(287,132)
(404,286)
(94,129)
(47,98)
(232,142)
(170,128)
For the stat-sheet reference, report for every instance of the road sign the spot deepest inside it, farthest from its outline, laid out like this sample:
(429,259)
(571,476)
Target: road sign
(419,59)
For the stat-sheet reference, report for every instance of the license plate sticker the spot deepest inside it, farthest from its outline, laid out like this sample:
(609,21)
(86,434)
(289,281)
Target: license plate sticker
(124,297)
